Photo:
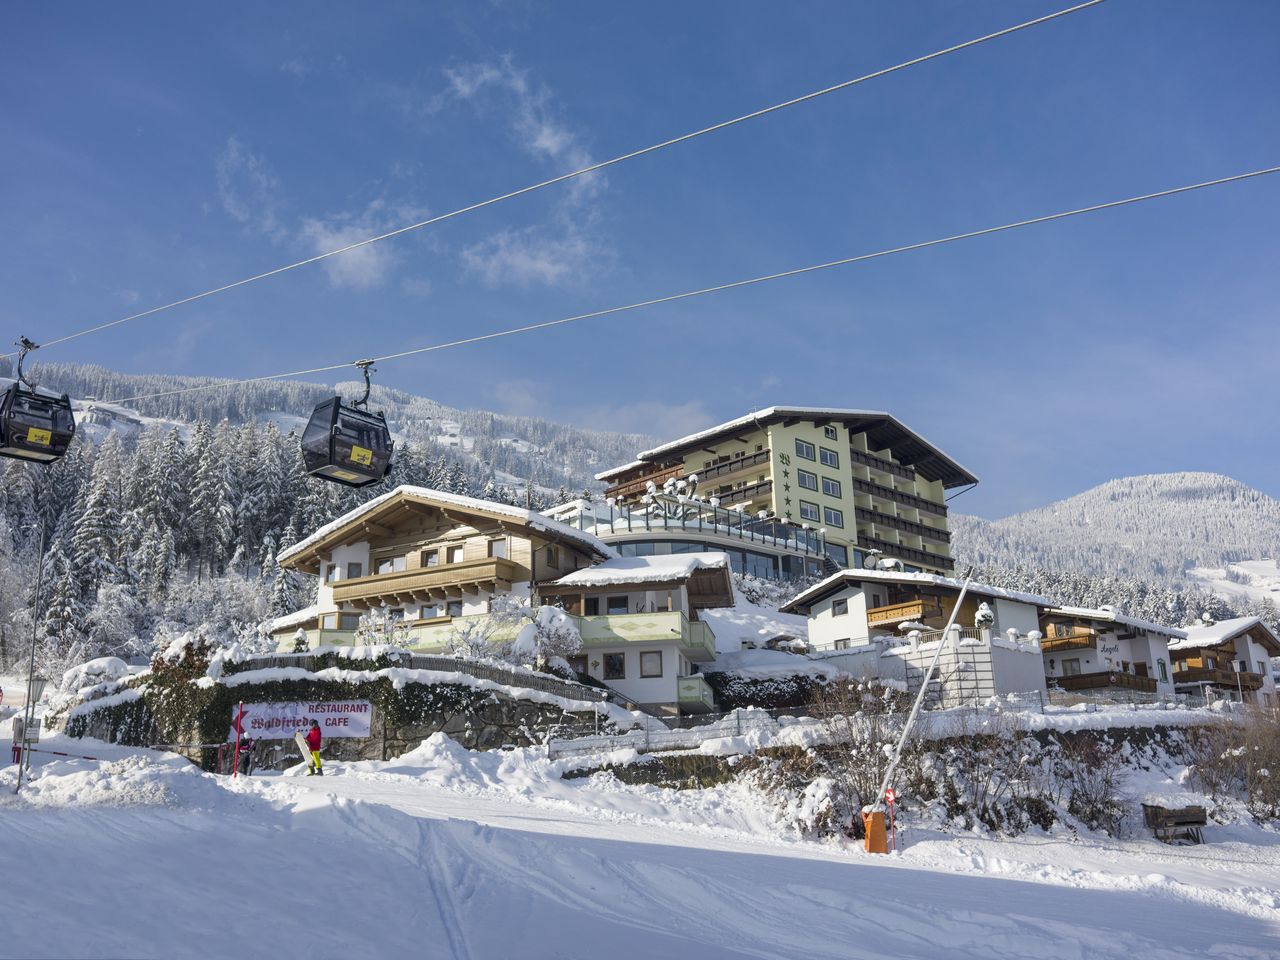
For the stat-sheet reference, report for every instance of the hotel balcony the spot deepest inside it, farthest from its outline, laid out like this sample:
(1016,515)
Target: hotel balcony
(906,526)
(449,581)
(1107,679)
(917,611)
(906,499)
(694,695)
(742,494)
(1225,679)
(906,554)
(696,640)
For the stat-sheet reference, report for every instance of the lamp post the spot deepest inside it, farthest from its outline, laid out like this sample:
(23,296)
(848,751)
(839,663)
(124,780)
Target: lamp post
(34,688)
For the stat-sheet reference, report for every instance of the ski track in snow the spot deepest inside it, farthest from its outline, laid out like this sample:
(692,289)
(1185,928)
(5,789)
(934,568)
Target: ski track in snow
(449,854)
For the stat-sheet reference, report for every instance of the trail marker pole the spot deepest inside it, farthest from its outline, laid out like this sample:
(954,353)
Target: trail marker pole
(235,763)
(29,709)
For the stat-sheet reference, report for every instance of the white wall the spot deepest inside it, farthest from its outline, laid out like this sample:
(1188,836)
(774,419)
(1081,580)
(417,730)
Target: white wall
(1022,617)
(341,556)
(640,689)
(825,629)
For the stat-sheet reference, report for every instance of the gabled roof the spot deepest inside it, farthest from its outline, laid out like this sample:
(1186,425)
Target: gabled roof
(1216,634)
(706,576)
(883,430)
(838,581)
(338,531)
(1104,615)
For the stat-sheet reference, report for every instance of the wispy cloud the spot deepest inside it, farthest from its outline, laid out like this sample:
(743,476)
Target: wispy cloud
(247,189)
(366,266)
(569,248)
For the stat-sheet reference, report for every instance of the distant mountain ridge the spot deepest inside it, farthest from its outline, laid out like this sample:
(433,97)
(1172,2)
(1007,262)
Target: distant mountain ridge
(1154,527)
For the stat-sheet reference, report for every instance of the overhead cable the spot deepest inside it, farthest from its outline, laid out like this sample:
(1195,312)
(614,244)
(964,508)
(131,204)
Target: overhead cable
(592,168)
(797,271)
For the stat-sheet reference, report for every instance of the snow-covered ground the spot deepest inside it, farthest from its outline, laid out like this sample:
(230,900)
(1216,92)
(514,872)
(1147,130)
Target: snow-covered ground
(445,853)
(1241,582)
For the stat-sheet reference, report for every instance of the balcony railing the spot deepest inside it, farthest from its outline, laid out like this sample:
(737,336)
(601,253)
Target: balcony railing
(897,496)
(881,464)
(1079,640)
(1113,679)
(902,612)
(695,637)
(897,523)
(659,476)
(729,467)
(909,554)
(1218,677)
(429,584)
(742,494)
(694,695)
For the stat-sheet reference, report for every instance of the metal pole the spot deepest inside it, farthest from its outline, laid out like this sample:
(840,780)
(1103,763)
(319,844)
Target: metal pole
(29,710)
(924,688)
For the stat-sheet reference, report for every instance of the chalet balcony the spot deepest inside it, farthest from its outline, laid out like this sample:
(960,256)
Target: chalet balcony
(1226,679)
(718,471)
(449,581)
(694,695)
(912,611)
(1106,679)
(1077,640)
(638,486)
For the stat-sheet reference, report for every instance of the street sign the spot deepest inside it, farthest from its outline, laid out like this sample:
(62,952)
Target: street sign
(26,733)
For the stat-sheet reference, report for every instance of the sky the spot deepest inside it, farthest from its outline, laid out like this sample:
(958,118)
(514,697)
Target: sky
(155,150)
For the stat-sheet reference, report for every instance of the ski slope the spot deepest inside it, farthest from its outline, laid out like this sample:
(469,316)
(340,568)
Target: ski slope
(446,853)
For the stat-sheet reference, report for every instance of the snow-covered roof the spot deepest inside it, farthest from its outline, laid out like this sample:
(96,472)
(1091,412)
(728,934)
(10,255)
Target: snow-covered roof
(297,618)
(1092,613)
(947,469)
(1215,634)
(837,580)
(529,518)
(6,383)
(654,569)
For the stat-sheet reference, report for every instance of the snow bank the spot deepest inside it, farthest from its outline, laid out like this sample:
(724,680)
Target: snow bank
(746,622)
(761,664)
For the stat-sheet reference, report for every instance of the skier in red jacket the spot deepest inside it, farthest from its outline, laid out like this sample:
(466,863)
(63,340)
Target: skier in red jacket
(314,739)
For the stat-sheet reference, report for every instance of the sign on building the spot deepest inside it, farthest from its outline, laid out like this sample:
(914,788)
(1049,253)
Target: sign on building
(280,721)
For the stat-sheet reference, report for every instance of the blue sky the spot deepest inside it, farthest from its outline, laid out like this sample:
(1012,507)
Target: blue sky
(154,150)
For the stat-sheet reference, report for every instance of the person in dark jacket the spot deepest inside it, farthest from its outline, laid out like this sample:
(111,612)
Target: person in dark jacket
(314,740)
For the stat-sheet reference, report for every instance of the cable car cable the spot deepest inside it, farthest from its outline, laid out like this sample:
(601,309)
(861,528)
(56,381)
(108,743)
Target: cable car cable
(592,168)
(1093,208)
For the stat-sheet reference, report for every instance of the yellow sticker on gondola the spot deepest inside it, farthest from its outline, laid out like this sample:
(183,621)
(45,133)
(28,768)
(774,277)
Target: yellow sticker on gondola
(42,437)
(345,475)
(361,455)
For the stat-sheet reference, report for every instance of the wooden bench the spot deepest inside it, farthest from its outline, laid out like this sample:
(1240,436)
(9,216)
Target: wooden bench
(1179,823)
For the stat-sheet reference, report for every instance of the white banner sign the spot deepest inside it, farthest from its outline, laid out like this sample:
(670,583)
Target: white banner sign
(280,721)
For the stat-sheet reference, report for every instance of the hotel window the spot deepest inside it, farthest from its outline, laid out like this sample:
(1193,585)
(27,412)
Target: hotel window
(617,605)
(331,573)
(591,607)
(1071,668)
(829,432)
(832,518)
(553,557)
(355,570)
(842,644)
(831,488)
(759,448)
(385,566)
(1164,671)
(453,608)
(807,480)
(615,666)
(1063,629)
(498,548)
(429,558)
(428,612)
(829,457)
(840,555)
(808,511)
(455,554)
(651,663)
(804,450)
(839,607)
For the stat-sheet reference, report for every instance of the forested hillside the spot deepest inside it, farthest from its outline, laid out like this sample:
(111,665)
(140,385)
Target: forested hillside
(166,515)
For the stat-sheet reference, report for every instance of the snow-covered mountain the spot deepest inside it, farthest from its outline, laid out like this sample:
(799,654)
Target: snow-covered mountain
(1158,527)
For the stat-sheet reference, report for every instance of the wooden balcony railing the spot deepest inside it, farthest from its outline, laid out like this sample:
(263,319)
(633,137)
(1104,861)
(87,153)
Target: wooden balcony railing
(1244,680)
(449,581)
(740,494)
(906,526)
(1079,640)
(881,464)
(906,499)
(638,485)
(906,554)
(729,467)
(902,612)
(1111,679)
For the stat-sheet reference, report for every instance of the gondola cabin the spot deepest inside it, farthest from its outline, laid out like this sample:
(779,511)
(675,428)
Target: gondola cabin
(346,444)
(35,424)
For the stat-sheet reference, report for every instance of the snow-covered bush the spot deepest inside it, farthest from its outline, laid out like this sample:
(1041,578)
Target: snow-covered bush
(93,672)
